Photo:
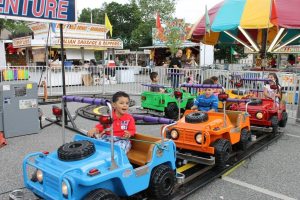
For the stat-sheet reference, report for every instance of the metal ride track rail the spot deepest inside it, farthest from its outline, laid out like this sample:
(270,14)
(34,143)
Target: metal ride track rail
(197,175)
(200,175)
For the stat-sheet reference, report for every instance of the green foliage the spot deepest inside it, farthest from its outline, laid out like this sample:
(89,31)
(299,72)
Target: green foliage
(142,35)
(222,52)
(175,34)
(17,28)
(149,8)
(97,15)
(131,22)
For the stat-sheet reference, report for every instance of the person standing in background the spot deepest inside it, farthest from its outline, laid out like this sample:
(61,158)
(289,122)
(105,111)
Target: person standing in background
(175,66)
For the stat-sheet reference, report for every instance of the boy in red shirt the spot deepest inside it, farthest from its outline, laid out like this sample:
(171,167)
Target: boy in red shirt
(123,123)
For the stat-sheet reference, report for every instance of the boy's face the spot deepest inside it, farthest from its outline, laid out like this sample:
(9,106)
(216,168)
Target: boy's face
(121,105)
(155,79)
(208,92)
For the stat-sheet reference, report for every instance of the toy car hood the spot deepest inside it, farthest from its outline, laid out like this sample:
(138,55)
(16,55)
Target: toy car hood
(100,159)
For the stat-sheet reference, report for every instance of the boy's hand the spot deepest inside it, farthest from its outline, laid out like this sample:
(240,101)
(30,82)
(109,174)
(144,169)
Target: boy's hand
(194,108)
(92,132)
(126,134)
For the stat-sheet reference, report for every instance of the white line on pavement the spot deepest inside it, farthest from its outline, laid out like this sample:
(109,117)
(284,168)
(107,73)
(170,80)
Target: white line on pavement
(296,136)
(256,188)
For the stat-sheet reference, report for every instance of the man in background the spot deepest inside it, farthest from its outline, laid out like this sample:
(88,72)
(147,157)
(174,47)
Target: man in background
(175,65)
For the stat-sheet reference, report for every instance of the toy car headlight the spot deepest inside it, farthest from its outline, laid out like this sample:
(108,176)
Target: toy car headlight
(64,189)
(39,175)
(174,134)
(259,115)
(198,138)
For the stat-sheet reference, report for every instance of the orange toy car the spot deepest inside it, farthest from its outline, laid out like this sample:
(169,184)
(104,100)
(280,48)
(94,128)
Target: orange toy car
(199,135)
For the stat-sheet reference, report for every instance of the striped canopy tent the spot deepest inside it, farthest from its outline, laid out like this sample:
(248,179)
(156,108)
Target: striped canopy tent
(259,25)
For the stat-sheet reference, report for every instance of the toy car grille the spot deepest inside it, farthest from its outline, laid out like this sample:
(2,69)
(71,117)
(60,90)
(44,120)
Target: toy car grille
(51,182)
(189,136)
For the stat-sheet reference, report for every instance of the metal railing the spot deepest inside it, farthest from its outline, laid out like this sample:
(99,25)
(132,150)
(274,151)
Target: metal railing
(101,80)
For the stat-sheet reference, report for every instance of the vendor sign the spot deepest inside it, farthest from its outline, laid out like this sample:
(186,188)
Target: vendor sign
(74,30)
(39,10)
(112,43)
(22,42)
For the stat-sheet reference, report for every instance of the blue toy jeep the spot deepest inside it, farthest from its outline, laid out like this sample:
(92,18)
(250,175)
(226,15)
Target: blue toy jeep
(90,169)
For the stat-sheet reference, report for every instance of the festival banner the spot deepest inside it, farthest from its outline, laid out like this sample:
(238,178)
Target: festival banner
(111,43)
(60,11)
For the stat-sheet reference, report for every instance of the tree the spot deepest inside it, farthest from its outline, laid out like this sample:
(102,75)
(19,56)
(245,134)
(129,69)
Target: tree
(97,15)
(143,33)
(125,18)
(17,28)
(175,34)
(2,25)
(131,22)
(165,8)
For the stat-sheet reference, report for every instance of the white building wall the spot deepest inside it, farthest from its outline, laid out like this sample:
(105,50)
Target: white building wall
(2,54)
(207,54)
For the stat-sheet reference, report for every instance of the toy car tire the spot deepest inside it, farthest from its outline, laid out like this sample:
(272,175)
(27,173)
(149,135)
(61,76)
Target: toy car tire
(222,152)
(101,194)
(162,182)
(77,150)
(245,135)
(189,104)
(196,117)
(171,111)
(255,102)
(274,123)
(283,121)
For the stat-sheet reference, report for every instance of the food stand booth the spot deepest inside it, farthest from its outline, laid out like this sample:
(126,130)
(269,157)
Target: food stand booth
(81,40)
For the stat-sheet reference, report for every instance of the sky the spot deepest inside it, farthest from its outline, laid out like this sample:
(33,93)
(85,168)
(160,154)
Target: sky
(189,10)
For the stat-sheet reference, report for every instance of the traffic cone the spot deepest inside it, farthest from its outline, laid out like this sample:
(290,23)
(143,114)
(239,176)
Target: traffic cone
(2,140)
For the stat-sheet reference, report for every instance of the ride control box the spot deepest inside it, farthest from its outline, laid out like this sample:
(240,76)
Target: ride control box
(18,108)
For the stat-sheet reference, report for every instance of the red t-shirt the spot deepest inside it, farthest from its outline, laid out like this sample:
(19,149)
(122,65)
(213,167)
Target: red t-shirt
(125,122)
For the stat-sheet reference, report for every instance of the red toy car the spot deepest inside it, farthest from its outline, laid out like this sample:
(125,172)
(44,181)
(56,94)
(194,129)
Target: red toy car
(265,114)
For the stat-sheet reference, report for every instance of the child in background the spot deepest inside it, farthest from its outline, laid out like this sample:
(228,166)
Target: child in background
(270,93)
(216,81)
(154,81)
(123,123)
(207,101)
(190,80)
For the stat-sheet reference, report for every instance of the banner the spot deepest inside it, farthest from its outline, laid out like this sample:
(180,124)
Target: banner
(111,43)
(159,36)
(39,10)
(75,30)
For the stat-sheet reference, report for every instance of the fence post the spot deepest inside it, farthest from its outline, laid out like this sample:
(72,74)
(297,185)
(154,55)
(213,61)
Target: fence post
(298,110)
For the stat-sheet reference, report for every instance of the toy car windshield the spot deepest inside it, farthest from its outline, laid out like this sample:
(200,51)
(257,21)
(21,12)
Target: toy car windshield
(202,85)
(156,86)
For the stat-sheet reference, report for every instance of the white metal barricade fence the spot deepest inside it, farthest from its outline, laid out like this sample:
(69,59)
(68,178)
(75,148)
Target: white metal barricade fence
(100,80)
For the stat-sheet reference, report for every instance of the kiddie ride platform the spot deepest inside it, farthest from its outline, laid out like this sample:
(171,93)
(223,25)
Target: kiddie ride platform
(196,175)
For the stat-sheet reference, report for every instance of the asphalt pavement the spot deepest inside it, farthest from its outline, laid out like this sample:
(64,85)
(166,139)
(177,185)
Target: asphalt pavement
(272,173)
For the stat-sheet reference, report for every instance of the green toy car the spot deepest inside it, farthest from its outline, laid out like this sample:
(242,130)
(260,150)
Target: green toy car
(166,104)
